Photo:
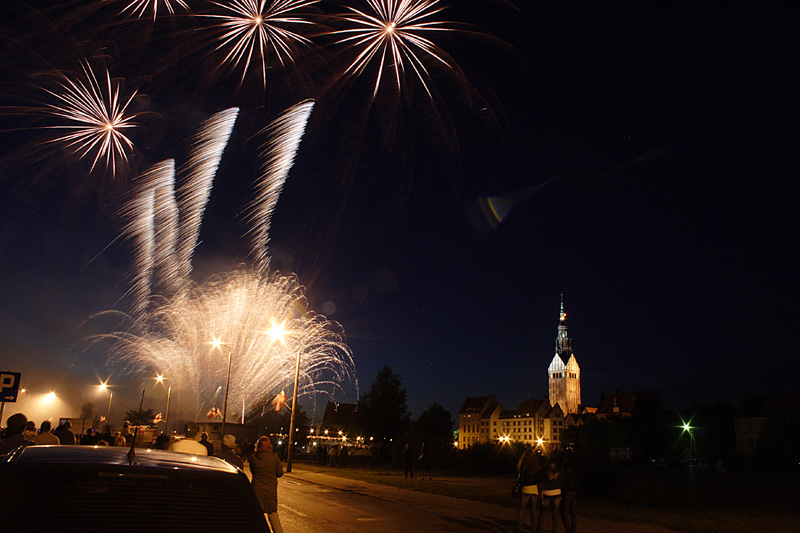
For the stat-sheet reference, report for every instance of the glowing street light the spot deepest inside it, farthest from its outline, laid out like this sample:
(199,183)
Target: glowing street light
(106,388)
(160,379)
(217,344)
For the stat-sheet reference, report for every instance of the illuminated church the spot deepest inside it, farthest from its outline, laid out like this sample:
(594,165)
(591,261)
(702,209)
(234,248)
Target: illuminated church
(536,421)
(564,374)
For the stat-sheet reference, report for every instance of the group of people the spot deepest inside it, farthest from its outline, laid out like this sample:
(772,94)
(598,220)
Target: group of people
(265,465)
(332,455)
(22,432)
(422,459)
(548,484)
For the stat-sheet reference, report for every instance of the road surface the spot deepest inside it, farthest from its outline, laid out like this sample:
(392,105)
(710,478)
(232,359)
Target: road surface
(311,502)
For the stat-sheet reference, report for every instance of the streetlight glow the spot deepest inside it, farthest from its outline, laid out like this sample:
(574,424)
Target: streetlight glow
(277,332)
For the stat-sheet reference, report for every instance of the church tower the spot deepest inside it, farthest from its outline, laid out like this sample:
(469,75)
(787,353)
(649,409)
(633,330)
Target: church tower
(564,374)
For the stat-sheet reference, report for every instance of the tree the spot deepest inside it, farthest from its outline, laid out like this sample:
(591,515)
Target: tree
(383,409)
(435,428)
(139,417)
(87,410)
(436,425)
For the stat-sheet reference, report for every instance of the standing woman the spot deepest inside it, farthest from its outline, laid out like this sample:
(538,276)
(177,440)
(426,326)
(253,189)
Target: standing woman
(266,468)
(528,467)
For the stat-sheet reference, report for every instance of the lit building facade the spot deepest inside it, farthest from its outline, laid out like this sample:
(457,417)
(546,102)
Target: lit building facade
(564,374)
(536,421)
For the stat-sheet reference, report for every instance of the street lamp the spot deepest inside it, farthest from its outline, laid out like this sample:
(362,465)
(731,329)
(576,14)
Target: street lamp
(218,344)
(687,428)
(277,332)
(104,386)
(160,379)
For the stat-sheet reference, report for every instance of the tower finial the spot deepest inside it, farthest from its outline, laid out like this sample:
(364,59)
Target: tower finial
(563,315)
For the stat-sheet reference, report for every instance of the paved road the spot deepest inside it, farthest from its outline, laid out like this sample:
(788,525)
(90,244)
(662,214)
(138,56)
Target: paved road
(311,502)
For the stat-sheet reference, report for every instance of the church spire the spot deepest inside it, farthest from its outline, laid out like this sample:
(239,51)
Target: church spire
(563,342)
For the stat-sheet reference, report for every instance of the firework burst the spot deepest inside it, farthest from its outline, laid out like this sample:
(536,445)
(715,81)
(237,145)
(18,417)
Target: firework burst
(172,332)
(97,118)
(240,308)
(138,8)
(251,30)
(390,33)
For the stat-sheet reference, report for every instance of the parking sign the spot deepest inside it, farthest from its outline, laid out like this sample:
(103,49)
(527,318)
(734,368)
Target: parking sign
(9,386)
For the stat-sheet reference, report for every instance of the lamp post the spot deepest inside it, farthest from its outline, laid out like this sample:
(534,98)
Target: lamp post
(161,379)
(277,332)
(218,344)
(290,450)
(688,429)
(104,386)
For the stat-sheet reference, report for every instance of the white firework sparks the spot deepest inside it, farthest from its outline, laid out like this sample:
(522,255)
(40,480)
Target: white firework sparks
(196,178)
(165,225)
(172,333)
(390,32)
(96,118)
(251,29)
(151,217)
(138,8)
(277,157)
(239,309)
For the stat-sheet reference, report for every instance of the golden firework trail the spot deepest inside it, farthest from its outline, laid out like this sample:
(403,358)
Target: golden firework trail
(96,119)
(389,32)
(250,29)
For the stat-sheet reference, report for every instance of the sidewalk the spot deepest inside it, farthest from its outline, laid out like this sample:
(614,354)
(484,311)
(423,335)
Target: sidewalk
(475,512)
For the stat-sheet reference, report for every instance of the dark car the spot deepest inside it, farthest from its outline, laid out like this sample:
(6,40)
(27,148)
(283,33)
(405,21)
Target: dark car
(94,488)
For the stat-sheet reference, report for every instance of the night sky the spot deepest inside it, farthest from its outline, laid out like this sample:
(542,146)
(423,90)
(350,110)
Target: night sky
(640,154)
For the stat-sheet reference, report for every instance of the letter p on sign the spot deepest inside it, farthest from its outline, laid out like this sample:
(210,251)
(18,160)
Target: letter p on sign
(7,381)
(9,386)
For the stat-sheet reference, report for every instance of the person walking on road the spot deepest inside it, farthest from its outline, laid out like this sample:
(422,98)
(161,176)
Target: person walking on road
(424,461)
(266,468)
(228,452)
(408,461)
(528,467)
